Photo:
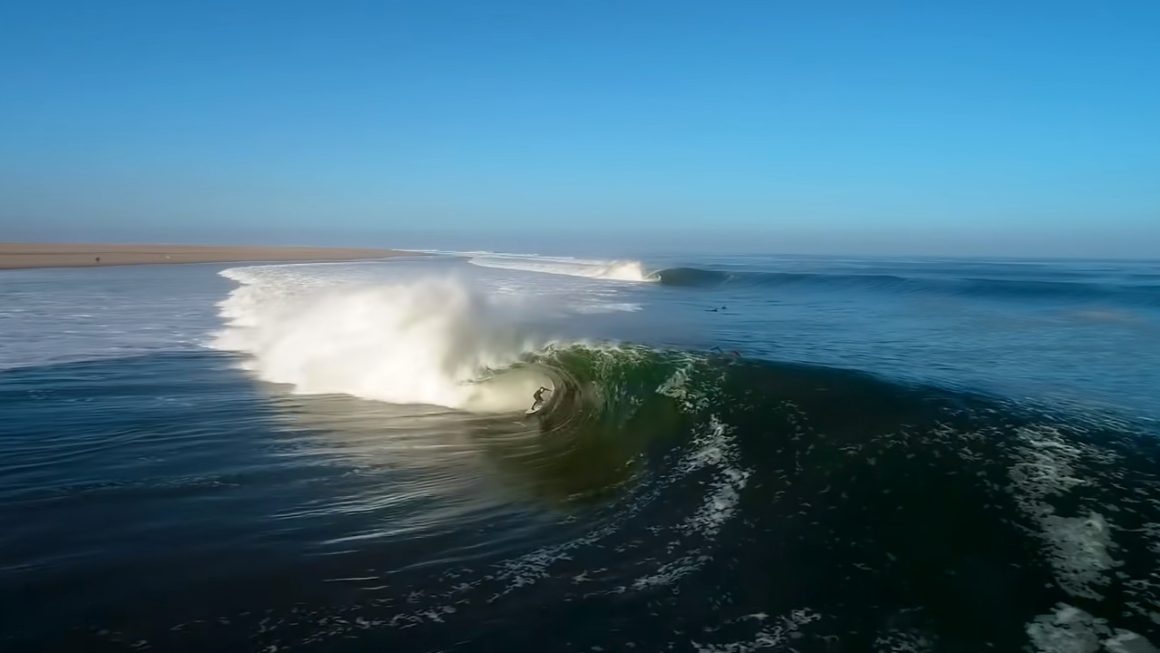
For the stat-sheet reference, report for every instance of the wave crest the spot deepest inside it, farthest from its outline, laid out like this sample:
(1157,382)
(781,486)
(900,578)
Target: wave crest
(431,341)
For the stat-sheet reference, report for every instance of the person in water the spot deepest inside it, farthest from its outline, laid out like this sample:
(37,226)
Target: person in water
(538,398)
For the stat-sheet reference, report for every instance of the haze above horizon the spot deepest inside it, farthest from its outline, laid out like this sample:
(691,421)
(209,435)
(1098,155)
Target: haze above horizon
(916,128)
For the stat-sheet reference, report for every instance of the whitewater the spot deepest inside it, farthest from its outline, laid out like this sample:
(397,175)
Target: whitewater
(593,269)
(431,341)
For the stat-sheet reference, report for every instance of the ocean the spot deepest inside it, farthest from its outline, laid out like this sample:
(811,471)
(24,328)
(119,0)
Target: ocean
(736,453)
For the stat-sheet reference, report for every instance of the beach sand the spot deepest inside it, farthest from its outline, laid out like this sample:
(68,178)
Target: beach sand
(33,255)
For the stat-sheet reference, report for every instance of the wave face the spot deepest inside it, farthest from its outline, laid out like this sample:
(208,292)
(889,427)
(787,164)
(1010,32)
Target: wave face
(572,267)
(431,341)
(692,277)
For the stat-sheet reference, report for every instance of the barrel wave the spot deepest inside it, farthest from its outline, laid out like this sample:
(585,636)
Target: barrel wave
(434,341)
(683,459)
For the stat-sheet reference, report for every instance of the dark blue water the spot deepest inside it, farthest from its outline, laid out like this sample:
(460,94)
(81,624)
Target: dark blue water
(739,453)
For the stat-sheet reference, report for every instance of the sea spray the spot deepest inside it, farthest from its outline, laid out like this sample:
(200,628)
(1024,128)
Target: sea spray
(428,341)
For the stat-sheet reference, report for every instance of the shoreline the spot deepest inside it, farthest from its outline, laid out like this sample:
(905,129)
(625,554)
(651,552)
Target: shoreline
(25,256)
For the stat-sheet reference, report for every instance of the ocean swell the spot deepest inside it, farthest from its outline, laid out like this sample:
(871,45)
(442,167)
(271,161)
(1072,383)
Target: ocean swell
(1015,289)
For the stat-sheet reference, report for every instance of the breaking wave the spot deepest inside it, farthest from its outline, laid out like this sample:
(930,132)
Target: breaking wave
(573,267)
(1132,291)
(431,341)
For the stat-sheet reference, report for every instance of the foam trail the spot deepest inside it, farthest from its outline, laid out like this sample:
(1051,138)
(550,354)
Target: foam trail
(591,269)
(430,341)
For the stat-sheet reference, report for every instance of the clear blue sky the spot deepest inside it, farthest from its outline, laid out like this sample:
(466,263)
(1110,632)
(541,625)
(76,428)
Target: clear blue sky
(971,127)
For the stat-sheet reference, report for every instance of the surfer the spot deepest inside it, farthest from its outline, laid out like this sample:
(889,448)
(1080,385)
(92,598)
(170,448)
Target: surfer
(537,400)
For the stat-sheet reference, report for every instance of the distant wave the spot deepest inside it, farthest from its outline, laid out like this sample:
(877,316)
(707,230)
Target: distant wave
(573,267)
(1137,289)
(1145,294)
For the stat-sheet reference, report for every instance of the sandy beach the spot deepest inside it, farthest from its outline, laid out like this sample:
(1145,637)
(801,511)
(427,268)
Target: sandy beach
(40,255)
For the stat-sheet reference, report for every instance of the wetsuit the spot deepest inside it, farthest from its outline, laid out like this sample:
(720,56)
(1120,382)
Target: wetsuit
(538,398)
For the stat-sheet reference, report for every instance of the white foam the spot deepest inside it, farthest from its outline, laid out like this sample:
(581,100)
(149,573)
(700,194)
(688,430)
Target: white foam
(1080,552)
(676,386)
(1067,630)
(1126,641)
(1078,547)
(573,267)
(721,502)
(62,316)
(773,634)
(903,641)
(1071,630)
(712,448)
(428,341)
(715,448)
(672,571)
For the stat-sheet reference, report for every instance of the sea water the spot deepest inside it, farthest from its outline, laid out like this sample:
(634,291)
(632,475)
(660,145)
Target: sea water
(739,453)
